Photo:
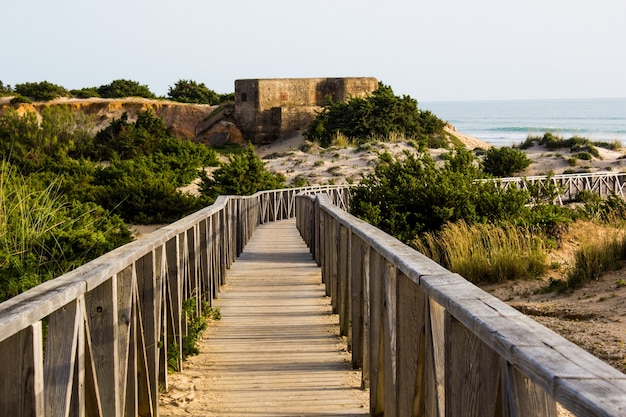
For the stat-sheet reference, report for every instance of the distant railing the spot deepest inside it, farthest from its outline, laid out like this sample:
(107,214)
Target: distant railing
(570,185)
(96,341)
(430,343)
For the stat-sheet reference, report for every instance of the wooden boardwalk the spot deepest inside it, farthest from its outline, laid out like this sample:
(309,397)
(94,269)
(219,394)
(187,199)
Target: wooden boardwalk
(276,350)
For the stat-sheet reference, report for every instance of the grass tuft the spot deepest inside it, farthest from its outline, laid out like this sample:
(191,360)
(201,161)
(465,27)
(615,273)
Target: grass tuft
(486,252)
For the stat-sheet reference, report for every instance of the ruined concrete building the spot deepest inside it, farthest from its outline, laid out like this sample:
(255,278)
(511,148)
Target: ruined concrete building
(266,109)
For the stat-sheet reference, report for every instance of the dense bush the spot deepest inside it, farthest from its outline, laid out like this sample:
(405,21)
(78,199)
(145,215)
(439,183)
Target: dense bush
(147,136)
(125,88)
(140,195)
(130,139)
(41,91)
(18,99)
(87,92)
(244,174)
(188,91)
(405,197)
(505,161)
(30,144)
(376,116)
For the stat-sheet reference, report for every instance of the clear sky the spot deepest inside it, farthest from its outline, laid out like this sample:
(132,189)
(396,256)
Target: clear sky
(429,49)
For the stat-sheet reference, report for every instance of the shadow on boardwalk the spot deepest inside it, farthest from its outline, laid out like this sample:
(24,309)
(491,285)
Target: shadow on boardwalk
(276,351)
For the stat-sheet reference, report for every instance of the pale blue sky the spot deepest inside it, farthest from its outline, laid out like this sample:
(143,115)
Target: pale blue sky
(431,50)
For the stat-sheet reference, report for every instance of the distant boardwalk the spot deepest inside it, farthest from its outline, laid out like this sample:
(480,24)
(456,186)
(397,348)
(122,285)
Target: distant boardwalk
(276,350)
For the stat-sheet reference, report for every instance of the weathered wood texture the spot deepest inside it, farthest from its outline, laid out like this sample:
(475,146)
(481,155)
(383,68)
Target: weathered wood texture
(432,344)
(110,323)
(276,350)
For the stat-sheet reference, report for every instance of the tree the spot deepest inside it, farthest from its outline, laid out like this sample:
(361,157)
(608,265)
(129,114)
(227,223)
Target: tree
(30,144)
(42,91)
(5,90)
(505,161)
(188,91)
(125,88)
(244,174)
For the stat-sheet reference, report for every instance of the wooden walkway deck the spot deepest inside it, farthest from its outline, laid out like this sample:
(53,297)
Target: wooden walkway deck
(276,350)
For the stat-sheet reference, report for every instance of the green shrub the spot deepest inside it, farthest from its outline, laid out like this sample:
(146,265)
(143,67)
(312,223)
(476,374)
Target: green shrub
(615,145)
(530,142)
(377,116)
(140,195)
(188,91)
(41,91)
(505,161)
(87,92)
(244,174)
(125,88)
(408,196)
(149,136)
(31,145)
(19,99)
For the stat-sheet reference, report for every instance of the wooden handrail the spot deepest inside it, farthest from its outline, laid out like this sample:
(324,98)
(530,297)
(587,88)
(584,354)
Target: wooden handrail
(96,341)
(431,343)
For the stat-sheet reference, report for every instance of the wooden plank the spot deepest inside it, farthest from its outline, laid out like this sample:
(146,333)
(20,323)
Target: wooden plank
(472,374)
(145,382)
(411,348)
(131,402)
(77,404)
(356,291)
(174,298)
(343,280)
(523,397)
(102,318)
(149,302)
(93,402)
(435,402)
(59,361)
(377,366)
(276,350)
(367,318)
(389,336)
(21,379)
(125,318)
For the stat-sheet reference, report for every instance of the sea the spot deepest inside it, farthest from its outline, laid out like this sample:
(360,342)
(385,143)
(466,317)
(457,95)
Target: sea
(510,122)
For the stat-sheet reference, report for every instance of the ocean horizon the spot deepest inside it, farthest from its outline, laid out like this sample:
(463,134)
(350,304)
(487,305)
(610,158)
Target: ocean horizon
(510,122)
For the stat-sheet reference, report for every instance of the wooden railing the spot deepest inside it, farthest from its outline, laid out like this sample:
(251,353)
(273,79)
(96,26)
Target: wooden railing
(570,185)
(96,341)
(430,343)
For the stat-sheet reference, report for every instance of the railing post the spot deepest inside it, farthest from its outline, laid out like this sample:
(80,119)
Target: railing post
(376,362)
(357,276)
(343,278)
(22,377)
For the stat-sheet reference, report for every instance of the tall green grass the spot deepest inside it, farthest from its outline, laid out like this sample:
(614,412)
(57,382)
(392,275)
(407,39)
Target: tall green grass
(27,217)
(486,252)
(43,235)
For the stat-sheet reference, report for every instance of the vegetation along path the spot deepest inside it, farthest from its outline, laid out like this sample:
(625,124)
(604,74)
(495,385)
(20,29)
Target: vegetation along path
(276,350)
